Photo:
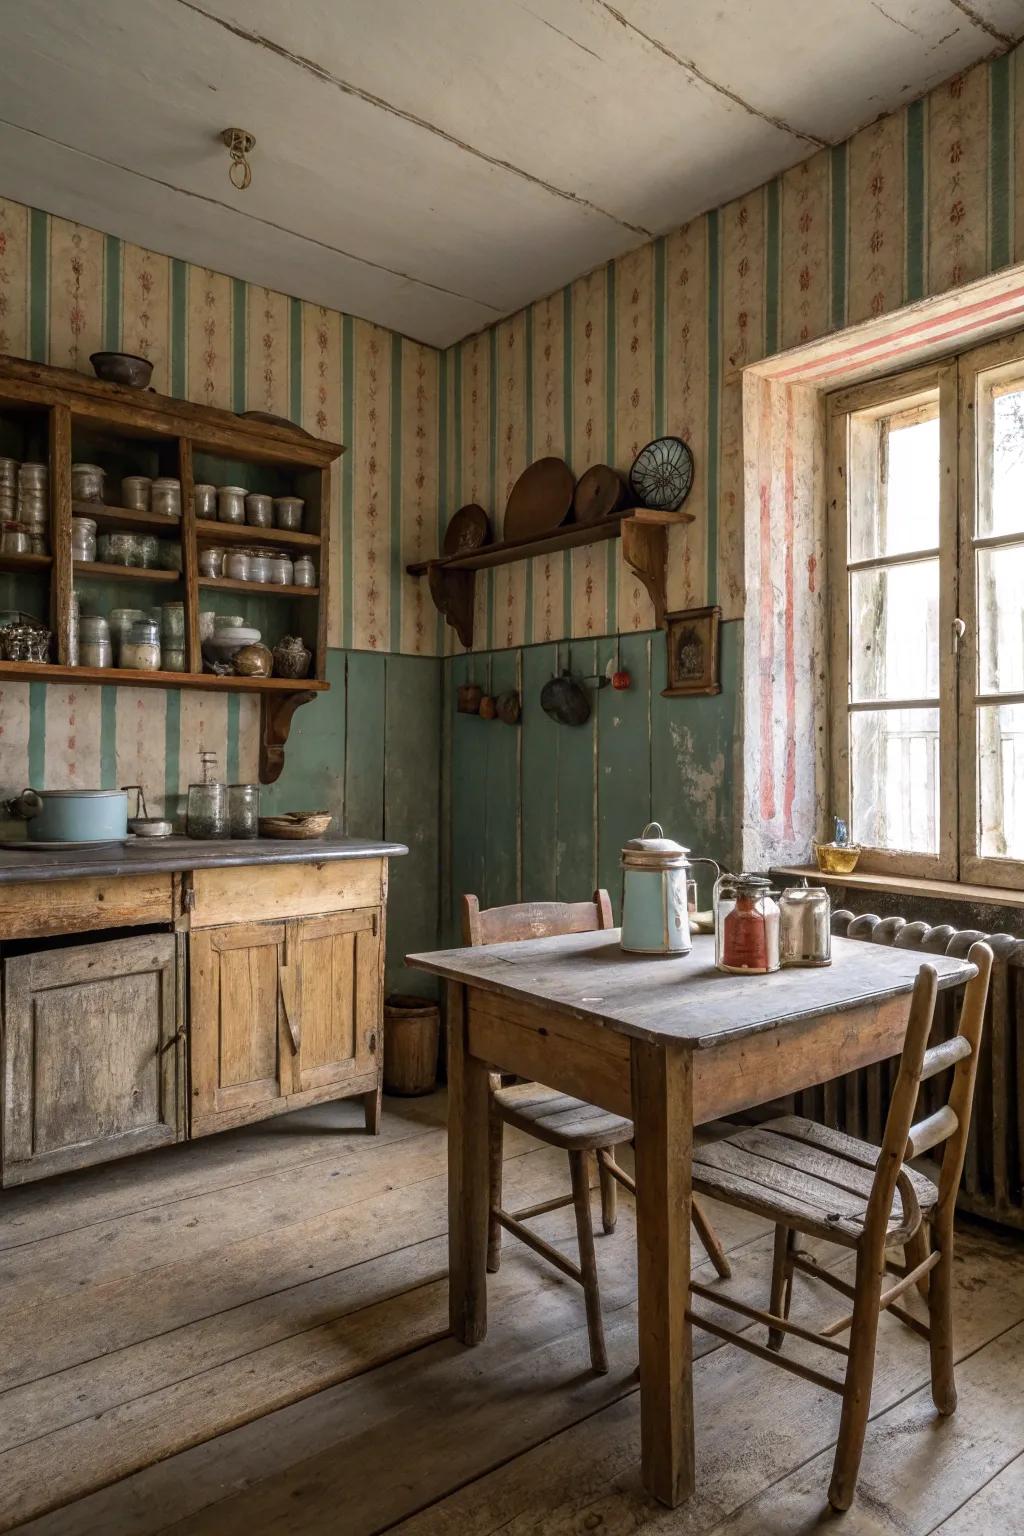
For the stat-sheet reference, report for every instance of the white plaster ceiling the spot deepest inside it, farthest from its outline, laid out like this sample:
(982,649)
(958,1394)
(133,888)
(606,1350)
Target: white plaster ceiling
(436,164)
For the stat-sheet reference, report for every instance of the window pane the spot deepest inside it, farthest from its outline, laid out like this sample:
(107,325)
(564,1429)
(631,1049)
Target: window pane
(894,778)
(1001,432)
(894,632)
(1001,619)
(894,483)
(1001,781)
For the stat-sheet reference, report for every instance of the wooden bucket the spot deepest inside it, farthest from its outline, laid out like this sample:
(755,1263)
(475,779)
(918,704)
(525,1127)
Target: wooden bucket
(411,1029)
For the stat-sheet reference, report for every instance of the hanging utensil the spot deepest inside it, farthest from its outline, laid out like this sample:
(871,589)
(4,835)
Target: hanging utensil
(565,699)
(142,823)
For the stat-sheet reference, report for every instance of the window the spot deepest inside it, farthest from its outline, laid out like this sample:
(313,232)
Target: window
(927,641)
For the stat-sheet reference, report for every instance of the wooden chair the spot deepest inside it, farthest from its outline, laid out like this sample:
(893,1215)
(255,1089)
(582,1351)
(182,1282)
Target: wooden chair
(826,1184)
(580,1129)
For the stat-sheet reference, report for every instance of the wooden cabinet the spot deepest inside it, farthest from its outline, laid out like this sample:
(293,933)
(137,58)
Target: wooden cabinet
(283,1014)
(92,1054)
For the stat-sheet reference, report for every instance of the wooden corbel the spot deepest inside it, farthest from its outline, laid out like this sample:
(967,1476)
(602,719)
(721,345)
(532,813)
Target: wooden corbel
(453,594)
(645,550)
(276,711)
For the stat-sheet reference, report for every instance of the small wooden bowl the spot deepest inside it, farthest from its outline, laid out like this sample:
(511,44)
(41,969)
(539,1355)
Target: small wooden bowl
(296,824)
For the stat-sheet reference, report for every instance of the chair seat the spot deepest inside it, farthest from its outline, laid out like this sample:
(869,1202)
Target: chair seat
(560,1120)
(800,1173)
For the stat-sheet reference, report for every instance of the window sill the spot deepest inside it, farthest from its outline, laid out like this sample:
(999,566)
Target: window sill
(995,895)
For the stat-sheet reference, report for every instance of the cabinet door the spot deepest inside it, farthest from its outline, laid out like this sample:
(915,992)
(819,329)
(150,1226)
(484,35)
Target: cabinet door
(337,982)
(91,1054)
(235,1024)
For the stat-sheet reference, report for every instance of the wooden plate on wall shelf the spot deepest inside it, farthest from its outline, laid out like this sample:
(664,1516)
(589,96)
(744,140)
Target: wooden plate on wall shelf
(468,529)
(540,499)
(600,491)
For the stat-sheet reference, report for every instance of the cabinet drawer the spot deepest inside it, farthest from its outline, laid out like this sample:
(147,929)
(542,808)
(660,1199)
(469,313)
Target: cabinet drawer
(257,892)
(46,908)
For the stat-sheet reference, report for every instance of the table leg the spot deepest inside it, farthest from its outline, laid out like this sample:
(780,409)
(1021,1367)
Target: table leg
(467,1178)
(663,1131)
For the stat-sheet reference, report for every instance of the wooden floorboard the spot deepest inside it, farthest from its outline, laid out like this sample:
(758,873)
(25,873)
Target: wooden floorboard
(253,1340)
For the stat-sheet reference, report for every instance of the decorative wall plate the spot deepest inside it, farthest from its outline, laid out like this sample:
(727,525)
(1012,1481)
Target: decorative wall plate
(662,474)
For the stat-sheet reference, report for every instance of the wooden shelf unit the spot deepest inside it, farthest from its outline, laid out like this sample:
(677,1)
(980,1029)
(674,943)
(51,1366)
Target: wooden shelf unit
(141,422)
(643,531)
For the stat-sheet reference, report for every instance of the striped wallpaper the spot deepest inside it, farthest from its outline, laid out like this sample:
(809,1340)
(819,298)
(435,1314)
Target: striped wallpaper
(67,290)
(653,342)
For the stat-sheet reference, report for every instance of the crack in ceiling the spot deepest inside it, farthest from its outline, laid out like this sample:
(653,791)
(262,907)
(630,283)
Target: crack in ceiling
(698,74)
(216,202)
(966,9)
(348,88)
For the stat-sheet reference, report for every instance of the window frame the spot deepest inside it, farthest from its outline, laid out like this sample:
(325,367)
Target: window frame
(884,397)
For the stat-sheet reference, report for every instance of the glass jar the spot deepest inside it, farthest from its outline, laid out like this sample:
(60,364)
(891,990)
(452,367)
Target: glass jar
(281,570)
(304,574)
(207,808)
(118,549)
(14,539)
(165,497)
(288,512)
(136,491)
(73,620)
(259,510)
(94,648)
(172,658)
(805,927)
(211,562)
(83,538)
(204,499)
(140,652)
(260,565)
(87,482)
(244,810)
(746,925)
(38,543)
(147,548)
(172,622)
(119,624)
(236,565)
(231,503)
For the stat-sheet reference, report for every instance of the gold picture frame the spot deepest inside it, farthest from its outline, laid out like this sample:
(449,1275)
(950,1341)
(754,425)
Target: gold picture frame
(692,658)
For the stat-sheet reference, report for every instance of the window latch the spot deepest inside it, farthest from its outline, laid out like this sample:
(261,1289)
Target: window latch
(959,630)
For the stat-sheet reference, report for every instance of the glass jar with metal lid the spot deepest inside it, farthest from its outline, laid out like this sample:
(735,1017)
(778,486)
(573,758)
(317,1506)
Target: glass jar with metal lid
(805,926)
(746,925)
(141,650)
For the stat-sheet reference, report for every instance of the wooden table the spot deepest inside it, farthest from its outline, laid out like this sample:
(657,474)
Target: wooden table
(672,1044)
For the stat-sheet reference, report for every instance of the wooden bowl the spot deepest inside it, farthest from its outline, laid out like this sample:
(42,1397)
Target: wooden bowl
(296,824)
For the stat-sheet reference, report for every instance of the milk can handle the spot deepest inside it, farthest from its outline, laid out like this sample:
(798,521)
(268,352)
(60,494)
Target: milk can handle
(653,826)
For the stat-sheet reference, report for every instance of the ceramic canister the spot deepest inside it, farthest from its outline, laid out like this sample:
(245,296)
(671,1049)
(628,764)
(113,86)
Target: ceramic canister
(654,914)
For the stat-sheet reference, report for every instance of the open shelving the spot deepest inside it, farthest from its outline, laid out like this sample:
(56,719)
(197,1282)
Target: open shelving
(643,531)
(57,416)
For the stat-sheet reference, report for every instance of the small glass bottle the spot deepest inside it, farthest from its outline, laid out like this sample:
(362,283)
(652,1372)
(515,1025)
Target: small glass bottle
(244,810)
(207,811)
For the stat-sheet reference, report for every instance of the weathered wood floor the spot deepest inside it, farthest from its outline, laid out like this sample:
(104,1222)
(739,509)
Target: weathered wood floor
(247,1335)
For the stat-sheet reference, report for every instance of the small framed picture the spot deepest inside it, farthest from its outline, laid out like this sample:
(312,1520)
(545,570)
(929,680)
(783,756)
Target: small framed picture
(692,640)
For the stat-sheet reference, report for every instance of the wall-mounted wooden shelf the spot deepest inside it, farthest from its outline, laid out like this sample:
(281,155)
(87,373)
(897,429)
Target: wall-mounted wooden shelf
(642,530)
(139,431)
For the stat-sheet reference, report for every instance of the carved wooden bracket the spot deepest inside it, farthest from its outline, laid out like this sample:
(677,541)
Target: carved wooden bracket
(276,711)
(645,548)
(453,593)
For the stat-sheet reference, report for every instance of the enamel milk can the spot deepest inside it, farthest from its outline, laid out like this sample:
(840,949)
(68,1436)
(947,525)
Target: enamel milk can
(655,919)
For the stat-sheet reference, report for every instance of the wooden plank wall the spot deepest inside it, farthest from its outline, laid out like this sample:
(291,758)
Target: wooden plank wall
(369,751)
(541,810)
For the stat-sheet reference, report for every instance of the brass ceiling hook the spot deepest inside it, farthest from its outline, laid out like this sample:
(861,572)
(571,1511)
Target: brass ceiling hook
(240,143)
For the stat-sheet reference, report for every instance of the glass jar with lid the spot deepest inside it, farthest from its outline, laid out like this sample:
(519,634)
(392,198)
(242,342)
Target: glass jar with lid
(165,496)
(87,482)
(141,650)
(304,574)
(207,810)
(746,925)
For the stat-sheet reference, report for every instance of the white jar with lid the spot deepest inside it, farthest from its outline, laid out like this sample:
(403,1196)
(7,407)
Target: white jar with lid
(231,503)
(304,573)
(165,497)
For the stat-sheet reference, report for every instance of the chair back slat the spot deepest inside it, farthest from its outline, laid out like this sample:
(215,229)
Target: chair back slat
(944,1055)
(927,1133)
(533,919)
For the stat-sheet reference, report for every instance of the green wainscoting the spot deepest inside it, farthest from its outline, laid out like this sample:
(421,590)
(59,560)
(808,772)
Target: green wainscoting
(370,752)
(541,810)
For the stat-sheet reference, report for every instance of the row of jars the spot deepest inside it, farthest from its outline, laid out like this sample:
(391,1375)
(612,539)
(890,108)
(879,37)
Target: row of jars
(234,504)
(141,551)
(215,809)
(138,639)
(24,508)
(140,493)
(258,565)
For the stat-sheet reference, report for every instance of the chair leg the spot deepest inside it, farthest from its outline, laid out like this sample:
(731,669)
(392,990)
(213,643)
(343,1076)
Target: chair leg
(915,1250)
(609,1189)
(860,1370)
(495,1155)
(782,1281)
(579,1167)
(709,1237)
(940,1321)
